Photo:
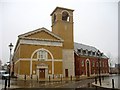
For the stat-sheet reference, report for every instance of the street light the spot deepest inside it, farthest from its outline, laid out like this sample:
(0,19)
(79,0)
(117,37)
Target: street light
(10,46)
(99,57)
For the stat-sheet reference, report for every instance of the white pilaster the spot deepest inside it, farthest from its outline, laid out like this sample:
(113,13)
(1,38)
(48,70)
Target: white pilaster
(68,62)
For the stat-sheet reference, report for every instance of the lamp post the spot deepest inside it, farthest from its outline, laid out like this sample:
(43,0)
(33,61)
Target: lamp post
(99,57)
(10,46)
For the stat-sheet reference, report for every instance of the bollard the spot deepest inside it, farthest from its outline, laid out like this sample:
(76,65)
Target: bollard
(100,80)
(5,83)
(16,77)
(31,77)
(37,78)
(113,83)
(61,78)
(49,78)
(95,87)
(95,80)
(71,77)
(103,78)
(25,77)
(53,76)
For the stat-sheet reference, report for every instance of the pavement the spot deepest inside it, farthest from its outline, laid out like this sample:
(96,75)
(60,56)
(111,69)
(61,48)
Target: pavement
(33,85)
(66,83)
(108,83)
(105,84)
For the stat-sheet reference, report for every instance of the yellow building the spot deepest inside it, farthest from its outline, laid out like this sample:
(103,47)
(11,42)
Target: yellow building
(42,53)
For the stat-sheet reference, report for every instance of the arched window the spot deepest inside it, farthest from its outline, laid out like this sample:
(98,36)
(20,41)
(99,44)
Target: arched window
(42,55)
(93,64)
(82,63)
(54,18)
(65,16)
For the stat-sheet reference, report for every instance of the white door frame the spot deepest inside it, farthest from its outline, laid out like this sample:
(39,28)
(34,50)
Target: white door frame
(89,66)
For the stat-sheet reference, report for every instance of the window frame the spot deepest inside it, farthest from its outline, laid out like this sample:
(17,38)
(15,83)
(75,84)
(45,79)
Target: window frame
(65,17)
(82,63)
(42,55)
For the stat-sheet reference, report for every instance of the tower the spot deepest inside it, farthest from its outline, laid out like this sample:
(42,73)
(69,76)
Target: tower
(62,25)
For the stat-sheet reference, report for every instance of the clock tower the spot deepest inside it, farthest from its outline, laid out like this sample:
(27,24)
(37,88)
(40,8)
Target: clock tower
(62,25)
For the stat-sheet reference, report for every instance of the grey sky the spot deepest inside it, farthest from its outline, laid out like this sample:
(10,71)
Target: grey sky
(95,22)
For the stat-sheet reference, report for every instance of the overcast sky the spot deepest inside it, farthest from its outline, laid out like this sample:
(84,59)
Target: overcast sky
(95,22)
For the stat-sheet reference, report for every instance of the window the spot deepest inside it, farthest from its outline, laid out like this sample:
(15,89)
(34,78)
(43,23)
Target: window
(54,18)
(65,16)
(93,53)
(93,64)
(82,63)
(84,52)
(96,64)
(100,63)
(42,55)
(89,52)
(79,51)
(103,64)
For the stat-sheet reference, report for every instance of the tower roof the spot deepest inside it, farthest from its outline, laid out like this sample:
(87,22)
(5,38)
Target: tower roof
(61,8)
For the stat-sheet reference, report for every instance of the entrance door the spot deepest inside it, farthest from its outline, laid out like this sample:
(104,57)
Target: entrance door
(41,73)
(88,71)
(66,72)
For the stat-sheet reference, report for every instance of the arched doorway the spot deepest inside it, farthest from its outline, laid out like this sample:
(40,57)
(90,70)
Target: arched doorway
(42,69)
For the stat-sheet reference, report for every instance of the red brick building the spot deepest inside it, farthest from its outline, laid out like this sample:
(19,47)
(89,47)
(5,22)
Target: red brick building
(88,59)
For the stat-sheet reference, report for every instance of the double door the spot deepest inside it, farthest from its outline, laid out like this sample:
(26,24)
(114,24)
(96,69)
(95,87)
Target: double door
(41,73)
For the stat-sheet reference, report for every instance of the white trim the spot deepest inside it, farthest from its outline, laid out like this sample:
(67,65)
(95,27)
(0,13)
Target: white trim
(24,59)
(58,60)
(27,59)
(17,48)
(44,54)
(41,42)
(37,51)
(17,61)
(42,65)
(66,11)
(40,39)
(89,66)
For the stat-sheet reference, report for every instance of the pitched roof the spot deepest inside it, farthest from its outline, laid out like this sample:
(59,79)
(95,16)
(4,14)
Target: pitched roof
(24,36)
(86,47)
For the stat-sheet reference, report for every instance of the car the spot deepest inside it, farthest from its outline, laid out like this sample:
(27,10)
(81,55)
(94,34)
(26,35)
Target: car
(3,73)
(5,76)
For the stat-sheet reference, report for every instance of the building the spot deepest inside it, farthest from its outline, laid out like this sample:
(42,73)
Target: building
(118,31)
(88,61)
(42,53)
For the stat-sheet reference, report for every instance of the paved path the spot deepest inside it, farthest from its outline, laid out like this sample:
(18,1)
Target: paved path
(107,82)
(65,85)
(56,84)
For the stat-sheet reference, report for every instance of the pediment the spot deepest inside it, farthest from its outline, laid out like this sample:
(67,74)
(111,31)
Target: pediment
(41,34)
